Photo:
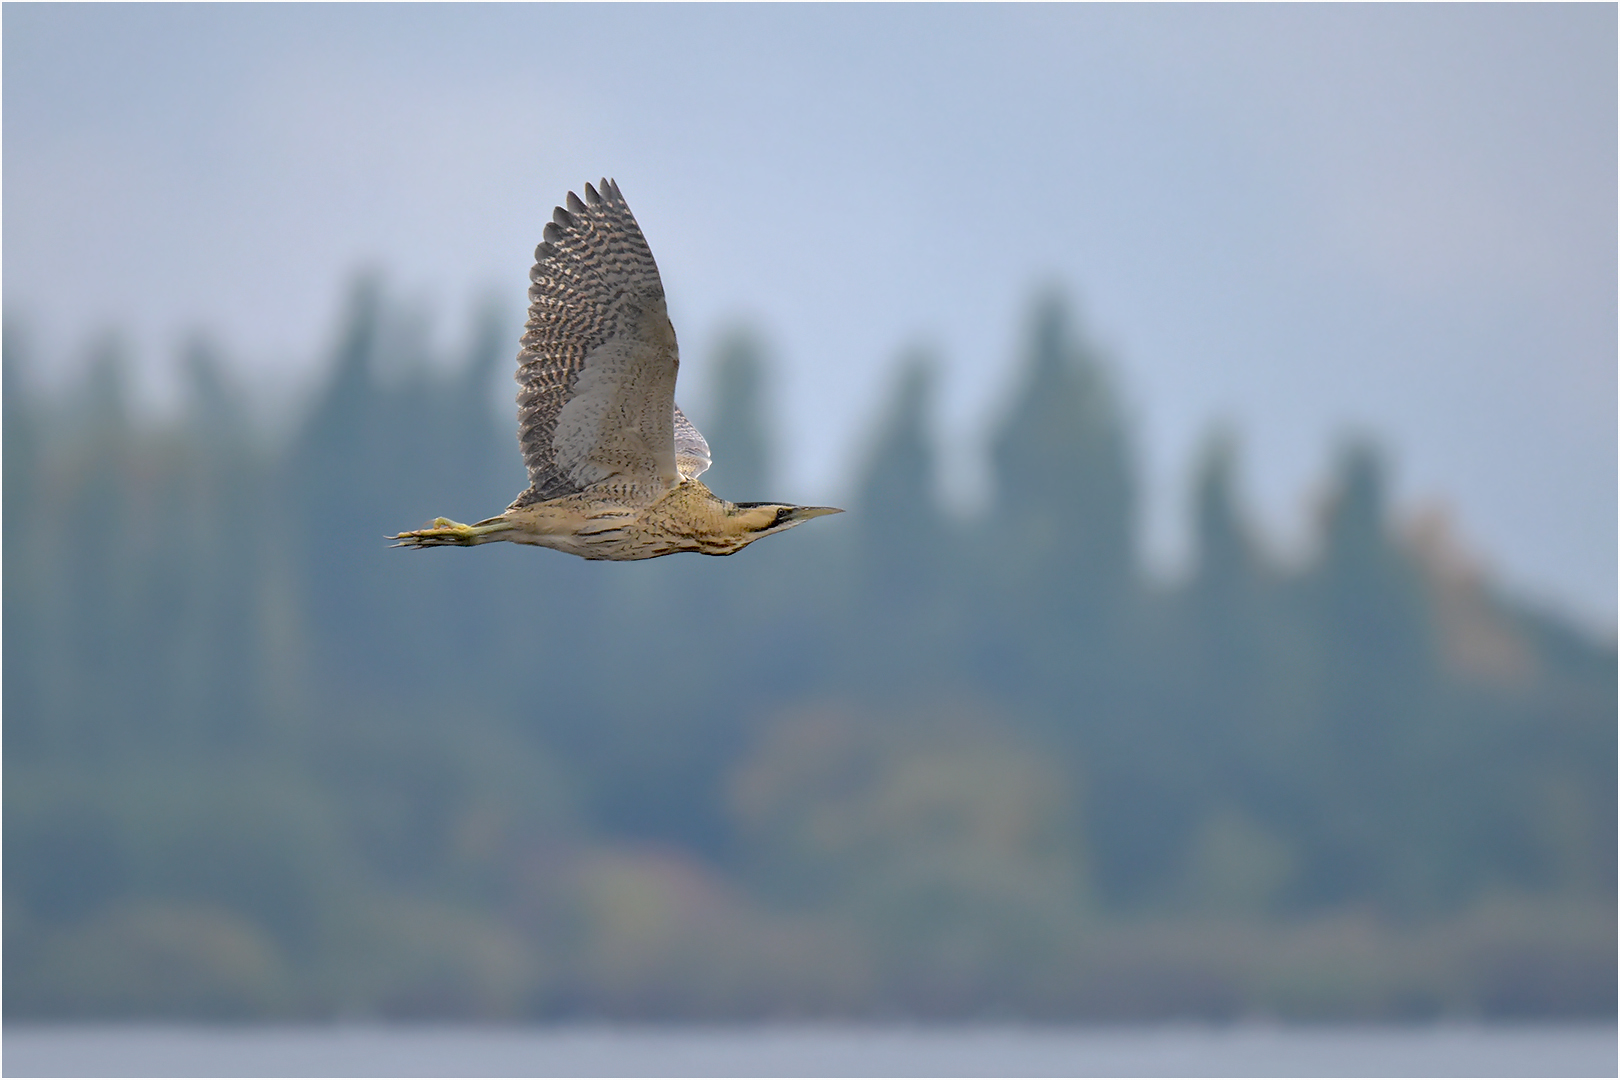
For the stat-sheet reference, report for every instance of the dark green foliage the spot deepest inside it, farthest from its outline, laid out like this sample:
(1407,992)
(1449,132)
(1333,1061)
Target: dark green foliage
(259,764)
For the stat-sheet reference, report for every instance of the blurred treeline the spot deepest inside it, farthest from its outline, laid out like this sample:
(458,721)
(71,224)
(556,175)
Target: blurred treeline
(896,763)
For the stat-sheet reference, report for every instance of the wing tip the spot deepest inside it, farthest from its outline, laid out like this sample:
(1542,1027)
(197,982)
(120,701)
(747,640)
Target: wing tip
(606,193)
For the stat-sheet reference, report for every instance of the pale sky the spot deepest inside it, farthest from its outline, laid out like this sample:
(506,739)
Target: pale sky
(1299,221)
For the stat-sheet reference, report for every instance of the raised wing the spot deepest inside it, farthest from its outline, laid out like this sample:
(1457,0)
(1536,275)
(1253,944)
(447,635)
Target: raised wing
(596,370)
(691,448)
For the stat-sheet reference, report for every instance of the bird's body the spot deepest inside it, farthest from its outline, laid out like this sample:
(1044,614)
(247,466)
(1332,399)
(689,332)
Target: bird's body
(689,517)
(613,462)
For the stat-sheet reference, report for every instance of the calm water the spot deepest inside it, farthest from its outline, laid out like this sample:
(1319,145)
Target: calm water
(35,1050)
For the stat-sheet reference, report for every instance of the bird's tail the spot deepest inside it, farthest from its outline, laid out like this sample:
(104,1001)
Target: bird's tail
(442,532)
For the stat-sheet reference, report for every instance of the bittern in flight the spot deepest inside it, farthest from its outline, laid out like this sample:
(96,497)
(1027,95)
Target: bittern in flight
(613,462)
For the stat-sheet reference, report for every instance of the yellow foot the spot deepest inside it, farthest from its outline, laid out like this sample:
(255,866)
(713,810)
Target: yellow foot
(440,532)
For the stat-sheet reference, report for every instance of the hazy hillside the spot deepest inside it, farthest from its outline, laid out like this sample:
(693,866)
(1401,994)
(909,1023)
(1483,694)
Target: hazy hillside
(893,763)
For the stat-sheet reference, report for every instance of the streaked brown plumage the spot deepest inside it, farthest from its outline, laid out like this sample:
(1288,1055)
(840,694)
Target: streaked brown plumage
(613,462)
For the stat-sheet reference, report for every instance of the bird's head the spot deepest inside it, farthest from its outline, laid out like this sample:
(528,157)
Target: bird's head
(754,520)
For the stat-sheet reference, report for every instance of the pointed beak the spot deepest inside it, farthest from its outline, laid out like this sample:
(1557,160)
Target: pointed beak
(805,513)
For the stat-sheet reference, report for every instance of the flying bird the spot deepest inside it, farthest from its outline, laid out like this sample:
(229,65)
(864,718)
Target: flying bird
(613,462)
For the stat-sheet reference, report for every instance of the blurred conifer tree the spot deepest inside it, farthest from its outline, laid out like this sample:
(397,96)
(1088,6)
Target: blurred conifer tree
(906,619)
(332,486)
(1376,681)
(218,532)
(27,595)
(1059,541)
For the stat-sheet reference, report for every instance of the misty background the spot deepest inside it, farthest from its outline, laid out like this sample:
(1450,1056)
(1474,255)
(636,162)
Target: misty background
(1285,338)
(1298,222)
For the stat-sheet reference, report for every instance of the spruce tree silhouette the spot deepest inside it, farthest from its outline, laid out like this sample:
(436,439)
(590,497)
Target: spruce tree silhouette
(223,511)
(332,491)
(1227,612)
(100,563)
(902,544)
(1229,663)
(1374,640)
(1060,539)
(900,525)
(27,594)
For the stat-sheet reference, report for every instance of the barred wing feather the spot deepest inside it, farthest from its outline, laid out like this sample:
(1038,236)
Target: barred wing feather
(597,366)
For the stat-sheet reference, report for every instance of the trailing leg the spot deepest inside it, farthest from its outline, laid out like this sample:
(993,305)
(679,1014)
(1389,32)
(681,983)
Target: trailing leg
(442,532)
